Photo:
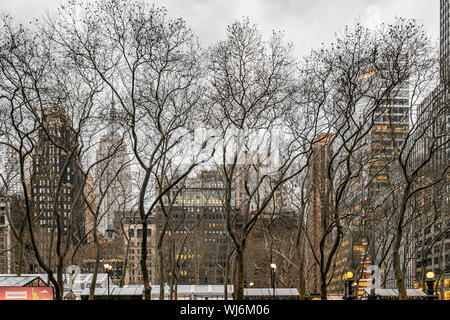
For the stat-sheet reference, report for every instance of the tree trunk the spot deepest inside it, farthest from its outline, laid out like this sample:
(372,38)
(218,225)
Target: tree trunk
(125,266)
(301,272)
(398,272)
(145,278)
(96,265)
(60,271)
(171,289)
(399,276)
(227,271)
(174,266)
(239,284)
(20,258)
(176,289)
(323,287)
(441,287)
(161,274)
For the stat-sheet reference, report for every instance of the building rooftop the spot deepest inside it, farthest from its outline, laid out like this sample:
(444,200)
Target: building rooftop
(261,292)
(10,280)
(394,292)
(116,291)
(191,290)
(80,278)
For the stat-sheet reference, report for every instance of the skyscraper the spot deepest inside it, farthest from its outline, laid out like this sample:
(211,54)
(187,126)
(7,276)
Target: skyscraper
(113,177)
(198,214)
(431,227)
(388,134)
(387,131)
(56,180)
(316,220)
(445,41)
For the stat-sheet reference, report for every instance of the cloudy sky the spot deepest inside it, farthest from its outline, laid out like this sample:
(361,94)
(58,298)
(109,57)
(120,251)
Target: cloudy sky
(306,23)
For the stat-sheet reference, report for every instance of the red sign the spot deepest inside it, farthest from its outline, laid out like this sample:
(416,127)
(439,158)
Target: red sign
(26,293)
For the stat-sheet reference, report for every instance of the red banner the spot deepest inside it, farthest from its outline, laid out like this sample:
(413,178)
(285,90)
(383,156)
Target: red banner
(26,293)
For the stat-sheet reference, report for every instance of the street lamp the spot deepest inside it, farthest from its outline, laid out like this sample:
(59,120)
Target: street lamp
(108,269)
(273,268)
(251,284)
(430,285)
(348,286)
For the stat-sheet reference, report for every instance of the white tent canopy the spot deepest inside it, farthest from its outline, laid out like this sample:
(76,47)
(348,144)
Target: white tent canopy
(394,292)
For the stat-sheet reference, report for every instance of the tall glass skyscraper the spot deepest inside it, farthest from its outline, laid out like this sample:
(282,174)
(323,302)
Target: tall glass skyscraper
(445,41)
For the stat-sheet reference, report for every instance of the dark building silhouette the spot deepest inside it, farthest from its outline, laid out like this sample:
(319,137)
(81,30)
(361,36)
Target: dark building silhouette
(56,179)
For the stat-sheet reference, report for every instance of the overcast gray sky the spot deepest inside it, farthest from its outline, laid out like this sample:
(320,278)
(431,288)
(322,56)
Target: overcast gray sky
(307,23)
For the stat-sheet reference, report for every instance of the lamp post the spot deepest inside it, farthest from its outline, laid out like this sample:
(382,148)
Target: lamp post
(108,269)
(430,285)
(348,285)
(273,268)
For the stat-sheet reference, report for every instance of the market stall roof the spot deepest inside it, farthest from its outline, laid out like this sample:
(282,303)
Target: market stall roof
(9,280)
(200,289)
(80,278)
(260,292)
(394,292)
(190,290)
(116,291)
(196,290)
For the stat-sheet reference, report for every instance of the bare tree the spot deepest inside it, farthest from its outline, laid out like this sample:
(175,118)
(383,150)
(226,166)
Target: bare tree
(356,77)
(49,103)
(152,64)
(251,85)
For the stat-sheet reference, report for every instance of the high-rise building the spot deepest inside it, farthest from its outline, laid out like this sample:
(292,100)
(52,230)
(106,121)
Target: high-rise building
(133,243)
(431,226)
(317,219)
(445,41)
(387,133)
(56,178)
(5,235)
(198,213)
(113,178)
(351,255)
